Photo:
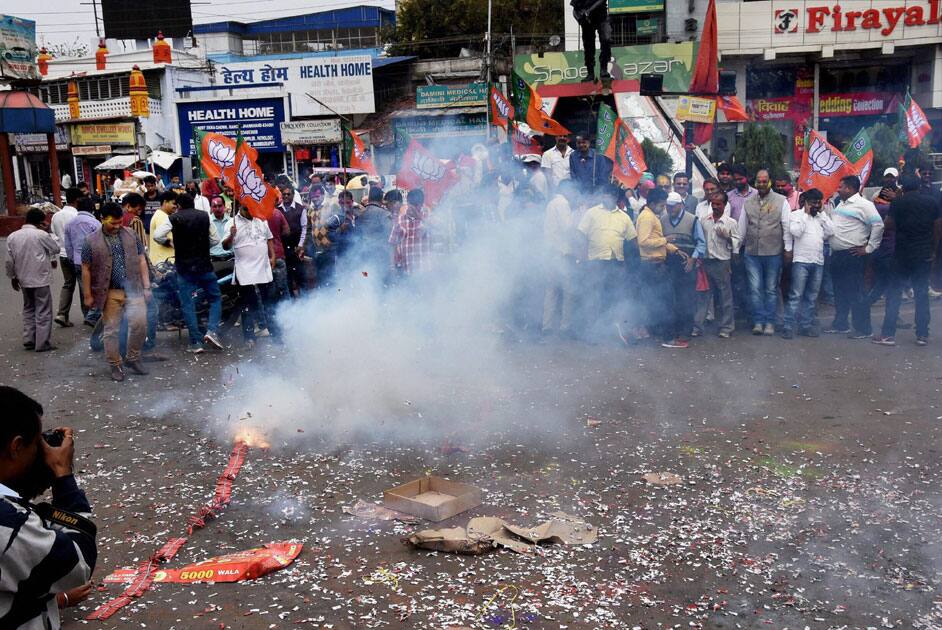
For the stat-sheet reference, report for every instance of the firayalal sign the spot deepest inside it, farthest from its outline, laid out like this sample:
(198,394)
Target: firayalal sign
(434,96)
(343,84)
(257,119)
(85,134)
(564,73)
(311,132)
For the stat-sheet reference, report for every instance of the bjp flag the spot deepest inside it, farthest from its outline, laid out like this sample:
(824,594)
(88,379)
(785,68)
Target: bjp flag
(522,140)
(216,153)
(502,112)
(422,169)
(860,154)
(629,157)
(249,185)
(914,121)
(528,108)
(355,155)
(822,165)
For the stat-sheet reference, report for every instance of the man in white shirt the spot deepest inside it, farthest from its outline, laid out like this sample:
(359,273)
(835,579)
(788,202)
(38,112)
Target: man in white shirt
(559,233)
(59,221)
(536,179)
(808,229)
(858,230)
(555,161)
(721,233)
(250,240)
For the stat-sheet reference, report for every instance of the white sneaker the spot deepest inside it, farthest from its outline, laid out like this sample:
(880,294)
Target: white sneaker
(213,340)
(757,329)
(769,330)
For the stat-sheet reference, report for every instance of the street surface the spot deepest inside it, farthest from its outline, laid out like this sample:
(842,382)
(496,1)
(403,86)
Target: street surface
(810,497)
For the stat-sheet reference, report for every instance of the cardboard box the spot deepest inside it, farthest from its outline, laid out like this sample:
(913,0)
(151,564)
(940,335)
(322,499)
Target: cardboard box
(432,498)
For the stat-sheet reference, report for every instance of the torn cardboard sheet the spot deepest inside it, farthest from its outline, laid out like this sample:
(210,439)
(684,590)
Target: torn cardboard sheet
(371,511)
(663,478)
(487,532)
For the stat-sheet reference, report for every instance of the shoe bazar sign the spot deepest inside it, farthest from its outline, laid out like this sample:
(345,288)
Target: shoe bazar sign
(814,22)
(564,73)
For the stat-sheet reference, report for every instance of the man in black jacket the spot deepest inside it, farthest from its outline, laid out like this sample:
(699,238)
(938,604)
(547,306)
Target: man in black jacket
(192,236)
(49,550)
(592,16)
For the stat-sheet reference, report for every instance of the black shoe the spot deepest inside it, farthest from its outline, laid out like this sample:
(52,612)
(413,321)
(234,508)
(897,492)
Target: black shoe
(46,348)
(29,345)
(61,321)
(136,367)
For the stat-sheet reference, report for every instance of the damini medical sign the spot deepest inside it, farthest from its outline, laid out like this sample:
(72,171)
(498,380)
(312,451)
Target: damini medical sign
(343,84)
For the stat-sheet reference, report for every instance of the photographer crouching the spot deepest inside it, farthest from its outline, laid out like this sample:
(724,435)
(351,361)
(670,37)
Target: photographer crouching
(49,550)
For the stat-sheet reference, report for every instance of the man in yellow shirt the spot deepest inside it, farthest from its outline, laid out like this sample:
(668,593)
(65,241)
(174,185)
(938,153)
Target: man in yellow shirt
(606,229)
(654,279)
(158,252)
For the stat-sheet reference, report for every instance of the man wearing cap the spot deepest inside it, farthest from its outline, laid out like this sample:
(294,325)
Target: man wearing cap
(555,161)
(637,201)
(766,217)
(683,230)
(655,249)
(536,179)
(889,188)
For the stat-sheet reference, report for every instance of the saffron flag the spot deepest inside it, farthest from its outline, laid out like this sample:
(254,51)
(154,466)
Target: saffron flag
(523,141)
(629,157)
(860,154)
(502,112)
(706,74)
(248,183)
(355,155)
(732,108)
(605,131)
(216,153)
(528,108)
(822,165)
(913,121)
(422,169)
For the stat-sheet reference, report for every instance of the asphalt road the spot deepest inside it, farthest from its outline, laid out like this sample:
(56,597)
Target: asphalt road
(810,494)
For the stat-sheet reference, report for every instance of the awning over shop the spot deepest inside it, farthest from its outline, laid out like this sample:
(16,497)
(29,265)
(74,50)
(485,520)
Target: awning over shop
(164,159)
(118,163)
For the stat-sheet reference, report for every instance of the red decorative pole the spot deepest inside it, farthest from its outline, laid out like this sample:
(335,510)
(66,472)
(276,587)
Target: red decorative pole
(6,167)
(54,167)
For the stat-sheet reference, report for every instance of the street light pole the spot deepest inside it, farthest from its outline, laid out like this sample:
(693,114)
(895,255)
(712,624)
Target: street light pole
(487,72)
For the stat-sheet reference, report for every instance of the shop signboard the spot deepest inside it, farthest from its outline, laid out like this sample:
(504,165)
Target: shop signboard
(422,127)
(85,134)
(311,132)
(101,149)
(257,119)
(38,143)
(436,96)
(18,50)
(344,84)
(635,6)
(696,109)
(564,73)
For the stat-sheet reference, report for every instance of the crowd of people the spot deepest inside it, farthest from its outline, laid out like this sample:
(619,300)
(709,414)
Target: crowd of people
(655,262)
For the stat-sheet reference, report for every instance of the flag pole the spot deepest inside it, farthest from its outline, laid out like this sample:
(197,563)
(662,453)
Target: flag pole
(487,71)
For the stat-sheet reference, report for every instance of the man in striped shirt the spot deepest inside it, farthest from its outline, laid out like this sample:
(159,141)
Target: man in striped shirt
(49,549)
(410,240)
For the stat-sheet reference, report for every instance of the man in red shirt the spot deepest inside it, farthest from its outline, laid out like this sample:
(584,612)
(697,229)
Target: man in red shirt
(278,225)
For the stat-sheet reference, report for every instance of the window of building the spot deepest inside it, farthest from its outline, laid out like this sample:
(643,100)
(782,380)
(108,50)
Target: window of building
(629,29)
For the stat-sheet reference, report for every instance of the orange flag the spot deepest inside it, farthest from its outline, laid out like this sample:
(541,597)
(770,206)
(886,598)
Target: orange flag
(732,107)
(528,107)
(422,169)
(629,158)
(822,165)
(355,155)
(249,185)
(501,109)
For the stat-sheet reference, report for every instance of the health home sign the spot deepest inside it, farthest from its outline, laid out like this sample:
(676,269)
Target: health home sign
(344,84)
(258,120)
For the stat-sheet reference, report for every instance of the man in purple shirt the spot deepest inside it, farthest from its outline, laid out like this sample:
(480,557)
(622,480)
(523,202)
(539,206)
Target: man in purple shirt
(76,231)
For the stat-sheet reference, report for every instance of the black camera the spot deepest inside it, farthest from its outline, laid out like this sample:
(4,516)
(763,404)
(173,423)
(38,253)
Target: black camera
(54,437)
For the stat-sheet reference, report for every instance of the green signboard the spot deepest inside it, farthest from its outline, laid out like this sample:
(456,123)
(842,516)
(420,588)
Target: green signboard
(561,73)
(647,26)
(450,126)
(635,6)
(435,96)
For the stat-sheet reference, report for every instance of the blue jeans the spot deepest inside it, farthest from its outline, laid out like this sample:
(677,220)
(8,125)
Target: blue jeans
(187,287)
(763,273)
(803,296)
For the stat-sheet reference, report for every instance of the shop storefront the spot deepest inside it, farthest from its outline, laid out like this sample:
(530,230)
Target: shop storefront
(95,142)
(312,144)
(258,120)
(32,160)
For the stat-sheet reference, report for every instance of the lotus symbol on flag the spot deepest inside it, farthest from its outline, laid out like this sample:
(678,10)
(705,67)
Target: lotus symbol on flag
(427,168)
(822,160)
(865,171)
(221,154)
(914,121)
(249,181)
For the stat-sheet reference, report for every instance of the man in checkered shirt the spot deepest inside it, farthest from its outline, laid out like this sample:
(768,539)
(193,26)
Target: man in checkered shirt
(410,239)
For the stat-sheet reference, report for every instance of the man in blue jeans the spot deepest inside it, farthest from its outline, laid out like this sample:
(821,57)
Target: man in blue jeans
(192,236)
(808,230)
(917,219)
(766,215)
